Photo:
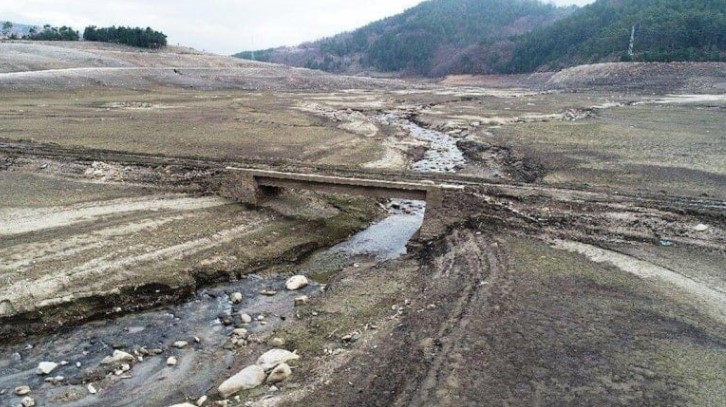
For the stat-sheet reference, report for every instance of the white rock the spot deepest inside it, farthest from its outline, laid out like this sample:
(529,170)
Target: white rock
(201,401)
(118,356)
(22,390)
(246,318)
(235,298)
(277,342)
(183,405)
(46,367)
(180,344)
(91,389)
(171,361)
(248,378)
(700,228)
(280,373)
(274,357)
(301,300)
(27,402)
(296,283)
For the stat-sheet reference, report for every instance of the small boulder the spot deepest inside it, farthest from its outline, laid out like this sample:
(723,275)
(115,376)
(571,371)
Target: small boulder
(296,283)
(180,344)
(274,357)
(280,373)
(27,402)
(248,378)
(171,361)
(22,390)
(46,367)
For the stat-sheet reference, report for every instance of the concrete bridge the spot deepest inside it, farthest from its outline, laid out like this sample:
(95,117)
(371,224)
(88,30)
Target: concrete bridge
(256,186)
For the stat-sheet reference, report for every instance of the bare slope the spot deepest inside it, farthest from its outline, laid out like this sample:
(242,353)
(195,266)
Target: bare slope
(73,65)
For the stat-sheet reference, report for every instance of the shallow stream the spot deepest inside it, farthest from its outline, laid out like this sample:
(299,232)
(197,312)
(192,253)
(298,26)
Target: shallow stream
(204,322)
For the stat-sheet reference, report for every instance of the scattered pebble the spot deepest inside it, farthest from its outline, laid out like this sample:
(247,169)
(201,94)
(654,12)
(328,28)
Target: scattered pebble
(172,361)
(700,228)
(180,344)
(239,332)
(22,390)
(246,318)
(301,300)
(277,342)
(268,293)
(91,389)
(201,401)
(27,402)
(118,356)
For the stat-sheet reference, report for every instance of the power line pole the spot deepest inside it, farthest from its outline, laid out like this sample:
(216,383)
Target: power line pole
(632,42)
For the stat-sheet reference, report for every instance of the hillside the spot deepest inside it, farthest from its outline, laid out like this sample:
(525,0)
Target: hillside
(449,37)
(63,65)
(434,38)
(665,30)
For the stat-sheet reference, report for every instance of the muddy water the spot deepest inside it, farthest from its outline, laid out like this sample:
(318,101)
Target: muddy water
(204,322)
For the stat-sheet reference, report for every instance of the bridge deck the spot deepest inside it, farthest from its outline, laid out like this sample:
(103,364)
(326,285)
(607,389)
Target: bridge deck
(429,192)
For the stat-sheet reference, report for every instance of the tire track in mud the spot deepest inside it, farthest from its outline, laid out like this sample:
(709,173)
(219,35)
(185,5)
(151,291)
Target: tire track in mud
(19,257)
(712,300)
(112,268)
(14,221)
(480,263)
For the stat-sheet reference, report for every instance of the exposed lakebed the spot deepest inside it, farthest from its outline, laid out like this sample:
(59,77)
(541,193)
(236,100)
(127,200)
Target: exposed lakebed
(205,322)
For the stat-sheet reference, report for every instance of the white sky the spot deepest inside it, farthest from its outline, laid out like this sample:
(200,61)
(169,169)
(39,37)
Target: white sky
(222,26)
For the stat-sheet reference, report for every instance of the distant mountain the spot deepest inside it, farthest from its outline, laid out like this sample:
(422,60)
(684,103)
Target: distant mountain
(665,30)
(434,38)
(441,37)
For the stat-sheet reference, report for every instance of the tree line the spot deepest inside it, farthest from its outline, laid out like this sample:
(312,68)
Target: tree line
(135,37)
(665,30)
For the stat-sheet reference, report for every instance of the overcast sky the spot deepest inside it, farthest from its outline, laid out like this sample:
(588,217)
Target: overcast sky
(222,26)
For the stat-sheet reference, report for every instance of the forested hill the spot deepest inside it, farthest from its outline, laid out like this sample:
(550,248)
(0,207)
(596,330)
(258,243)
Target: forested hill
(441,37)
(434,38)
(665,30)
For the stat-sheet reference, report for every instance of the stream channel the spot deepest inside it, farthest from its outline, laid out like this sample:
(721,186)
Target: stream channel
(78,351)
